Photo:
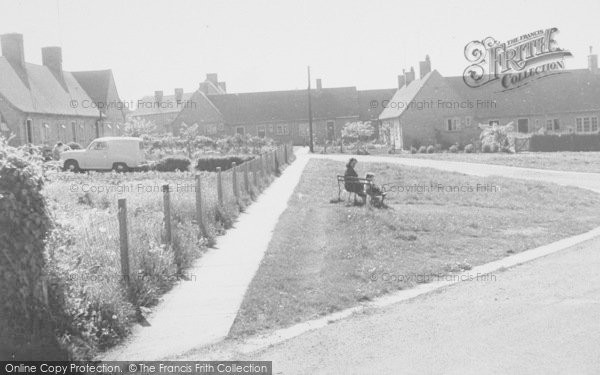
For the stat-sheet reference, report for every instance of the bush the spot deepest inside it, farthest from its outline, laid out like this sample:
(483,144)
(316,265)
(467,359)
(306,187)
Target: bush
(422,150)
(469,149)
(453,149)
(413,150)
(486,147)
(25,327)
(430,149)
(74,146)
(172,164)
(496,137)
(210,163)
(564,142)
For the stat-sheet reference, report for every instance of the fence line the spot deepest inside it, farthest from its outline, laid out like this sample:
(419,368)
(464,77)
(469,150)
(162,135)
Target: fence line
(228,189)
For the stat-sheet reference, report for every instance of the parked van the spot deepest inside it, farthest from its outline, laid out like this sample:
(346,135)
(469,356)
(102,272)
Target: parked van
(116,153)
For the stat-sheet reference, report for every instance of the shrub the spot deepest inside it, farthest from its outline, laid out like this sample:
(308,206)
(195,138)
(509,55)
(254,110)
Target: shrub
(210,163)
(357,132)
(74,146)
(453,149)
(25,327)
(496,137)
(413,150)
(430,149)
(422,150)
(486,147)
(172,164)
(565,142)
(469,149)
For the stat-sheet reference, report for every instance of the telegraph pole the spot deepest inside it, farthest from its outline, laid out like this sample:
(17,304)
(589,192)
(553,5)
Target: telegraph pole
(310,124)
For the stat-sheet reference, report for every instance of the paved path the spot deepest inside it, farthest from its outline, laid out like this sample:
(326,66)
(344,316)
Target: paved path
(541,317)
(202,310)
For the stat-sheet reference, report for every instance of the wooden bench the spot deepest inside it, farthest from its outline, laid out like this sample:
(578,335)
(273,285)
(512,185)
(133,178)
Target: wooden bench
(374,199)
(342,180)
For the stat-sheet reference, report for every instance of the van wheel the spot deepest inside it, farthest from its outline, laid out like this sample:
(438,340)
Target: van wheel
(71,166)
(120,167)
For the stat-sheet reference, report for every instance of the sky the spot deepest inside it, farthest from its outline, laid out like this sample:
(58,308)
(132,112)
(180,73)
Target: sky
(260,45)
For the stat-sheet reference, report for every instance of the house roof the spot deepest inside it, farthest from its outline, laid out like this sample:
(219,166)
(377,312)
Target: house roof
(404,95)
(199,110)
(568,91)
(275,106)
(370,102)
(95,83)
(39,91)
(168,105)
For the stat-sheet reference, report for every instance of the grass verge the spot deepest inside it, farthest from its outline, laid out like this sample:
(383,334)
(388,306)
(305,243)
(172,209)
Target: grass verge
(323,255)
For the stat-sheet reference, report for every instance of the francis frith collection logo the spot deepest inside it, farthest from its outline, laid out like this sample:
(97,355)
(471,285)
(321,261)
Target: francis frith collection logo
(516,62)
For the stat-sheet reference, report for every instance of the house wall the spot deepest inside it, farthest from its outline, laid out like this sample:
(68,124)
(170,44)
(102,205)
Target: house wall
(162,121)
(59,128)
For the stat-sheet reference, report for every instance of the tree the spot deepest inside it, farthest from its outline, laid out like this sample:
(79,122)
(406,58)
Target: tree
(496,136)
(358,132)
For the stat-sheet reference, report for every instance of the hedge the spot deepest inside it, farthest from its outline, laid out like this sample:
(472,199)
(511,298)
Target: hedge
(172,164)
(565,142)
(210,163)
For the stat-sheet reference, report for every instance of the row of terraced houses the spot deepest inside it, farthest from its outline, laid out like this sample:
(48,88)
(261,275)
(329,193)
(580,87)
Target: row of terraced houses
(43,104)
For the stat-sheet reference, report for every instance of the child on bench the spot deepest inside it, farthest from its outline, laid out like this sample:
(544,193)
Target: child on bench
(373,190)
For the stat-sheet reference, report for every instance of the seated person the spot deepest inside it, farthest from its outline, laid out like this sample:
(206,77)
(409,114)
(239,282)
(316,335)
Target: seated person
(353,187)
(374,190)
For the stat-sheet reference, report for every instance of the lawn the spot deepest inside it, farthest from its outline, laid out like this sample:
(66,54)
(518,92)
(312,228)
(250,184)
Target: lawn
(562,161)
(325,257)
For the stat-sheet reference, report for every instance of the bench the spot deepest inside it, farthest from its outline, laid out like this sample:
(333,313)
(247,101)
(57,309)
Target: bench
(375,199)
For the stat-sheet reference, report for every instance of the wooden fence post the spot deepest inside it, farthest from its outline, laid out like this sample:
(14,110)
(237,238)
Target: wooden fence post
(124,240)
(167,210)
(285,153)
(199,215)
(234,179)
(219,186)
(254,172)
(246,179)
(262,167)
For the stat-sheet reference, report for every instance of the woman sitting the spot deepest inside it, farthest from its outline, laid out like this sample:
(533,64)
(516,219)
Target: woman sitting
(353,187)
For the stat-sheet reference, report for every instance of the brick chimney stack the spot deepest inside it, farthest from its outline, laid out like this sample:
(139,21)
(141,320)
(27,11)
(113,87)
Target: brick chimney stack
(424,67)
(178,95)
(319,84)
(409,76)
(593,62)
(12,49)
(52,58)
(401,80)
(212,78)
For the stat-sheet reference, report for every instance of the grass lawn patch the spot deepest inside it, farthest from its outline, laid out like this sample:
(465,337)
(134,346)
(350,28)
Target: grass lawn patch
(560,161)
(325,257)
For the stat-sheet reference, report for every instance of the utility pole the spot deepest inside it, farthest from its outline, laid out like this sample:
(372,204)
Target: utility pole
(310,125)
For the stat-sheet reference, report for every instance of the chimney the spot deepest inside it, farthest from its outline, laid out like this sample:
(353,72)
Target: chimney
(178,95)
(223,87)
(52,58)
(424,67)
(319,84)
(12,49)
(158,96)
(593,62)
(409,76)
(401,80)
(212,77)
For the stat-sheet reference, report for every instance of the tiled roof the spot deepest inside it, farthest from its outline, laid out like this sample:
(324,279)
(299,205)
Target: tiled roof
(568,91)
(95,83)
(45,94)
(405,95)
(168,105)
(275,106)
(199,110)
(371,102)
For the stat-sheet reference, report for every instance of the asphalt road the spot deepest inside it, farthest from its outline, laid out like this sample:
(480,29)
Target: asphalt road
(542,317)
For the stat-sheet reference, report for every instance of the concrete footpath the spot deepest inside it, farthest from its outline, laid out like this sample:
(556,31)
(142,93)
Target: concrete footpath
(200,311)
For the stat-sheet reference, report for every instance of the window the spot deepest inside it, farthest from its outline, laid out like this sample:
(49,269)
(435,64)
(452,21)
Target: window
(262,131)
(74,131)
(523,125)
(271,128)
(239,130)
(45,132)
(303,129)
(279,130)
(494,122)
(552,124)
(286,129)
(549,125)
(3,125)
(452,124)
(99,146)
(468,121)
(29,130)
(586,124)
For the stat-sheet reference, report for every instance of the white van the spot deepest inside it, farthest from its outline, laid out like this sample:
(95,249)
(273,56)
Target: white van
(116,153)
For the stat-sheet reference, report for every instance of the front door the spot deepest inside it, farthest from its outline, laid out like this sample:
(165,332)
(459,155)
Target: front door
(330,130)
(523,125)
(29,131)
